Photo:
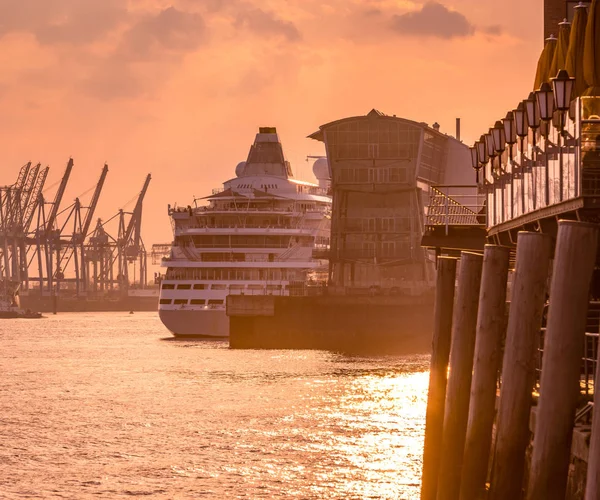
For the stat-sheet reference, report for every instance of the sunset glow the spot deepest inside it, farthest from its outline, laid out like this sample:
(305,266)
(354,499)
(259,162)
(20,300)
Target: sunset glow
(178,88)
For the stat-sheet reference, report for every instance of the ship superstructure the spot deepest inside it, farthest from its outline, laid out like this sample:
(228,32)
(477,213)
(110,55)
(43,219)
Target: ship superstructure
(256,236)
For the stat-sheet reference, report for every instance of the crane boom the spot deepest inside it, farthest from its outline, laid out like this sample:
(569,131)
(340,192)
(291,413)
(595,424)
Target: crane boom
(36,199)
(28,190)
(92,208)
(22,176)
(59,195)
(15,192)
(137,212)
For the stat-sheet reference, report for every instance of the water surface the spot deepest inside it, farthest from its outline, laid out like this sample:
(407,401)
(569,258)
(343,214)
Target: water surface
(106,405)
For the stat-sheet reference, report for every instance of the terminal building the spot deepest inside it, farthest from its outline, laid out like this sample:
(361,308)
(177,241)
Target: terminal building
(382,169)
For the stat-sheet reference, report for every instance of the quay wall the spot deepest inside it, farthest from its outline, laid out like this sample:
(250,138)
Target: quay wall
(578,462)
(351,324)
(47,304)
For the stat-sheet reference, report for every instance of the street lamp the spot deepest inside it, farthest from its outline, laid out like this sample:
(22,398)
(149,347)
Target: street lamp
(482,154)
(500,145)
(499,137)
(490,146)
(510,132)
(545,99)
(475,161)
(545,102)
(533,113)
(562,86)
(521,123)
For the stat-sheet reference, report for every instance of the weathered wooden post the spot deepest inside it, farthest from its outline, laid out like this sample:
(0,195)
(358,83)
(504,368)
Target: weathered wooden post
(438,373)
(518,366)
(574,261)
(491,325)
(456,410)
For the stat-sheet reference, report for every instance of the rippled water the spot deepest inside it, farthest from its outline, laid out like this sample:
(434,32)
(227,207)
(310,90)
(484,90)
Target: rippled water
(105,405)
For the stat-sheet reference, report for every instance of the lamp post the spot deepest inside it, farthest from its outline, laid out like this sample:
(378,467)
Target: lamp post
(482,153)
(475,161)
(521,129)
(491,151)
(491,147)
(510,133)
(562,86)
(533,115)
(500,145)
(545,99)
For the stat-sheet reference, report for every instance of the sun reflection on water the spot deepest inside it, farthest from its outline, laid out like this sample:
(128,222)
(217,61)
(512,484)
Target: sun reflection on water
(388,419)
(120,413)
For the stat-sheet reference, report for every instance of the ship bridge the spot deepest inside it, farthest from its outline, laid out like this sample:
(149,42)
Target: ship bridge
(265,157)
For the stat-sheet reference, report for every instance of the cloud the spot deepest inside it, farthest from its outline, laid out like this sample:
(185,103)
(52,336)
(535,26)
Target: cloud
(170,30)
(433,20)
(266,23)
(61,21)
(494,30)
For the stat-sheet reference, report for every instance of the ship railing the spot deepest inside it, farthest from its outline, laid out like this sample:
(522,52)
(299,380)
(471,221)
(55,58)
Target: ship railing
(456,205)
(226,246)
(266,227)
(242,208)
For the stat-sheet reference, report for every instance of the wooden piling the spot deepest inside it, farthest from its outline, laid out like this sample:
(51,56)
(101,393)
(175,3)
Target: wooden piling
(574,261)
(518,366)
(459,383)
(438,373)
(491,326)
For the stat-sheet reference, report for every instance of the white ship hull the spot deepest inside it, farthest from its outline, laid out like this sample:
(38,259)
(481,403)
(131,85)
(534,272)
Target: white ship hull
(196,323)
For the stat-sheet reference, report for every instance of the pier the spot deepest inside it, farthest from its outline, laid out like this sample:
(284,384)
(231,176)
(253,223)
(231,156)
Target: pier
(511,407)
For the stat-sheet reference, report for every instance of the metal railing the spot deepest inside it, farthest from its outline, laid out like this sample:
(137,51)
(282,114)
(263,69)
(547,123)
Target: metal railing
(589,357)
(456,206)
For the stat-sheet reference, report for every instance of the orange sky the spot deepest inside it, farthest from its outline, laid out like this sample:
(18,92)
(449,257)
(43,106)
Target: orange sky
(178,88)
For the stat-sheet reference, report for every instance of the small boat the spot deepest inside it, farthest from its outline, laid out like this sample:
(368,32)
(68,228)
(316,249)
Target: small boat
(9,302)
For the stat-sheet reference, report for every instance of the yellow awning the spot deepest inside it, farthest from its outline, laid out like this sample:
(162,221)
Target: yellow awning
(591,51)
(545,61)
(574,62)
(560,54)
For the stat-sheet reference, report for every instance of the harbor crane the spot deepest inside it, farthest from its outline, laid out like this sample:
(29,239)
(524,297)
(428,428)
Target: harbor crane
(58,249)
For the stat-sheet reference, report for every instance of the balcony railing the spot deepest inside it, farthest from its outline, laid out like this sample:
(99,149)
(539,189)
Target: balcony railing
(456,206)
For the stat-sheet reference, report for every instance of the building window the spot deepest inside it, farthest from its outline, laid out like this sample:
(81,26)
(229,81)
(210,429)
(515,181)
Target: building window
(184,287)
(180,301)
(165,301)
(201,286)
(197,302)
(168,286)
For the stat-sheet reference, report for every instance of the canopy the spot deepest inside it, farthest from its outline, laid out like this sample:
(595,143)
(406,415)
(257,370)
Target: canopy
(574,62)
(591,51)
(560,54)
(227,193)
(545,62)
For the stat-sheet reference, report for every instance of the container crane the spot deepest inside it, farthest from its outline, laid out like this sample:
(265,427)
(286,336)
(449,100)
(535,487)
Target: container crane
(130,244)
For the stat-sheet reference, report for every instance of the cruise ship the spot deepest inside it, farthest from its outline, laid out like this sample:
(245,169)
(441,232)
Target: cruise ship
(260,234)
